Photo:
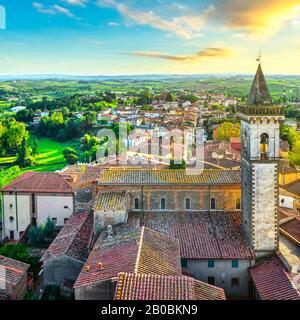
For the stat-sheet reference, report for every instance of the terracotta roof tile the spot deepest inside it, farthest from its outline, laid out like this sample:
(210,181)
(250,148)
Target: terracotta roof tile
(134,250)
(272,280)
(132,286)
(74,238)
(166,176)
(14,270)
(111,201)
(202,235)
(291,229)
(40,182)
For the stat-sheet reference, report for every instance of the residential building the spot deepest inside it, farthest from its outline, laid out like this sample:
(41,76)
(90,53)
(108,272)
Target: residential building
(32,198)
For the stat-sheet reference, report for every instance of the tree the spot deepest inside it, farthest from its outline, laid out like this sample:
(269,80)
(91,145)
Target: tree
(174,165)
(70,155)
(24,155)
(16,251)
(227,130)
(49,228)
(36,235)
(35,146)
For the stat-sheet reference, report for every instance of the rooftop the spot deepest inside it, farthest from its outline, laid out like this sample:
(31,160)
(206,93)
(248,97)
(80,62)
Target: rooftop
(41,182)
(111,201)
(293,187)
(14,270)
(132,250)
(168,177)
(272,279)
(202,235)
(132,286)
(291,229)
(74,238)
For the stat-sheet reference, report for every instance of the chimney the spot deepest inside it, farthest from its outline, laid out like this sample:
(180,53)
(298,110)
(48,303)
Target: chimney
(100,266)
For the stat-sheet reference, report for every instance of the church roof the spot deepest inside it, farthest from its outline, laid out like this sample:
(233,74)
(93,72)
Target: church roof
(111,201)
(168,177)
(259,93)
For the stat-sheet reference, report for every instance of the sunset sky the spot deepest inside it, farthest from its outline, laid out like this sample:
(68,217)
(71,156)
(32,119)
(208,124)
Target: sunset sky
(152,36)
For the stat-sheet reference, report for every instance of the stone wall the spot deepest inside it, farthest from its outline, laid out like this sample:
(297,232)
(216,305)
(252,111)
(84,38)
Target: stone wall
(58,269)
(102,290)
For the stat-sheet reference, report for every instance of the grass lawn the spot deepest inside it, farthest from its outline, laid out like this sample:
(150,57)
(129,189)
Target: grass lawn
(50,156)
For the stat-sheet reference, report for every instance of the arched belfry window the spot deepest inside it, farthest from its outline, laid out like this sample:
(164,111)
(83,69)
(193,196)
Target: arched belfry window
(187,204)
(264,146)
(163,204)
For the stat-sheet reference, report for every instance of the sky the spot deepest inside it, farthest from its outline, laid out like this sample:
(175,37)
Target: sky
(110,37)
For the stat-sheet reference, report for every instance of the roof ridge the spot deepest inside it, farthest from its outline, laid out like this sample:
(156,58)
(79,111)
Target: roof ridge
(22,177)
(76,234)
(139,251)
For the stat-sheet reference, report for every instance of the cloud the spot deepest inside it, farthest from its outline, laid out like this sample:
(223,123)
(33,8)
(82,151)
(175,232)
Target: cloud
(79,3)
(255,17)
(52,10)
(186,27)
(113,24)
(206,53)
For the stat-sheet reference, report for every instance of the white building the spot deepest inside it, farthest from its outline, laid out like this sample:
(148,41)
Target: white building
(32,198)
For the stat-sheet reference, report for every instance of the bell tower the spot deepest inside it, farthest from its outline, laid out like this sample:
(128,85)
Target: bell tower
(260,135)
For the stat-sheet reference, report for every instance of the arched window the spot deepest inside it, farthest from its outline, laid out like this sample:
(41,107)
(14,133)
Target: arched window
(212,204)
(264,146)
(163,204)
(238,204)
(136,203)
(187,204)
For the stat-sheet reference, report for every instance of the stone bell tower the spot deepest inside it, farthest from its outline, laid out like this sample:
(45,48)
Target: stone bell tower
(260,134)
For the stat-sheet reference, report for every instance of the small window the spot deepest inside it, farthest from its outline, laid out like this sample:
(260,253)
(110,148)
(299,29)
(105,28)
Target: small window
(282,201)
(54,220)
(212,204)
(11,206)
(238,204)
(66,220)
(235,282)
(184,263)
(234,263)
(211,263)
(188,204)
(136,203)
(211,280)
(66,207)
(11,219)
(163,204)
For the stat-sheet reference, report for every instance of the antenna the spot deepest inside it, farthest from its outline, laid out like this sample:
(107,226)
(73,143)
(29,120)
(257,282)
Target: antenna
(259,58)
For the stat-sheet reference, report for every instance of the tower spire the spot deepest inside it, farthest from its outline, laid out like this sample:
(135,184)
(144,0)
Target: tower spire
(259,93)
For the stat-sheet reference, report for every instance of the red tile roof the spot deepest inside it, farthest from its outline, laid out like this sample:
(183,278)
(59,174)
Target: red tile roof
(40,182)
(14,270)
(272,280)
(74,238)
(291,229)
(136,250)
(217,235)
(132,286)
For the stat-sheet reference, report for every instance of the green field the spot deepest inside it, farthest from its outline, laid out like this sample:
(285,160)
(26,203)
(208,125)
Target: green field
(50,156)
